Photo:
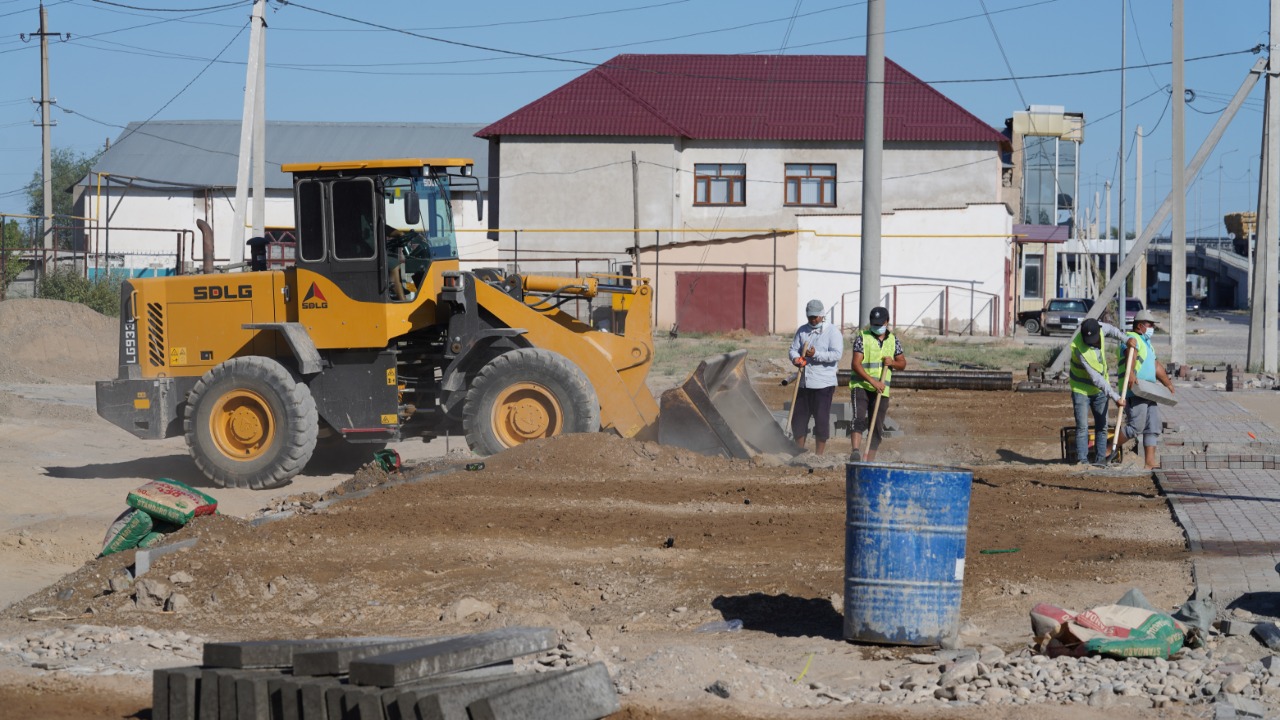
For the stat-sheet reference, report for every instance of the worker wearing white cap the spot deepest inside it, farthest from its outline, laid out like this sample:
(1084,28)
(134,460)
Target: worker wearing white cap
(816,348)
(1142,416)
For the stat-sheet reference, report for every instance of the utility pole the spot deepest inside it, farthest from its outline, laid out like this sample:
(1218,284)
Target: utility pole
(1120,297)
(46,122)
(635,213)
(1178,252)
(872,163)
(1262,316)
(1140,270)
(252,134)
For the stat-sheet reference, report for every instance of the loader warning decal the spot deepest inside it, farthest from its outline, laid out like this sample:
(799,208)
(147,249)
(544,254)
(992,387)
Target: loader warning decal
(315,299)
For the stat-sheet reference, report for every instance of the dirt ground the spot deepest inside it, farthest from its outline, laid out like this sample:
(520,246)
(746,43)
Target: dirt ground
(625,547)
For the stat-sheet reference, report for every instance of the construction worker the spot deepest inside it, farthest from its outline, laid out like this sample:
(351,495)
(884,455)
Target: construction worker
(1090,388)
(816,350)
(1142,416)
(877,352)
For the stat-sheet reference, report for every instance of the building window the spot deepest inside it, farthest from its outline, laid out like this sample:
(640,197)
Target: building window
(1032,275)
(715,184)
(811,184)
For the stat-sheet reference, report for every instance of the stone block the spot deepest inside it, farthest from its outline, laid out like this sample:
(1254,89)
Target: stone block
(462,653)
(1235,627)
(336,661)
(184,693)
(209,695)
(283,693)
(312,701)
(583,693)
(333,700)
(274,653)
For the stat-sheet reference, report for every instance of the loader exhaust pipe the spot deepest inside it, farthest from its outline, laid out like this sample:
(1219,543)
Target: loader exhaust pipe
(206,238)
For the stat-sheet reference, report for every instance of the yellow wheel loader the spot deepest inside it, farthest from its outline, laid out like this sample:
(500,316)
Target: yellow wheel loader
(373,336)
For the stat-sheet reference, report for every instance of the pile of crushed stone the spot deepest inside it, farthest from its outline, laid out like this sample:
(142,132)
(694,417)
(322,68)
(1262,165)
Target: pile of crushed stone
(52,341)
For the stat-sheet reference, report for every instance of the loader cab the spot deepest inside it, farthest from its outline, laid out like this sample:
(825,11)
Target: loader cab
(375,227)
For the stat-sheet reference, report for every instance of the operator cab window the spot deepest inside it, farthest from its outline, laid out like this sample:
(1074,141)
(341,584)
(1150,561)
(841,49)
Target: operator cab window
(310,221)
(412,246)
(355,219)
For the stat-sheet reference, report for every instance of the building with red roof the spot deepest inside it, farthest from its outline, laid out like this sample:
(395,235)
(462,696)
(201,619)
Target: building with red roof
(728,154)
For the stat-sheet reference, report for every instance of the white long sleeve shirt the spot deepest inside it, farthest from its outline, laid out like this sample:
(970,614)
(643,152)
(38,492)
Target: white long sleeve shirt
(828,346)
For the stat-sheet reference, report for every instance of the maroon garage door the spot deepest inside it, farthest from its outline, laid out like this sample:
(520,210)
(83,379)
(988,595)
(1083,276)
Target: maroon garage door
(719,302)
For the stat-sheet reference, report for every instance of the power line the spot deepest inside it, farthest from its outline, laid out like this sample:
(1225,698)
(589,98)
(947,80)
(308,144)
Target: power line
(174,10)
(1008,66)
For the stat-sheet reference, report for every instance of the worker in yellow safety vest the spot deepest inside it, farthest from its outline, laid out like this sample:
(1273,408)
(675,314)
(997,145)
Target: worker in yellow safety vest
(877,352)
(1142,416)
(1090,387)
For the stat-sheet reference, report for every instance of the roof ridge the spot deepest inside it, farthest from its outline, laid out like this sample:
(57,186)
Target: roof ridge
(946,99)
(640,101)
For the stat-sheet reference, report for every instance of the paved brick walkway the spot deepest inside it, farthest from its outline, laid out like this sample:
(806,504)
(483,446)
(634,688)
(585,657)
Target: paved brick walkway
(1218,471)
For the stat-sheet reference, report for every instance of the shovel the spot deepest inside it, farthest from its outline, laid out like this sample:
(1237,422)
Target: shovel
(875,413)
(796,393)
(1124,392)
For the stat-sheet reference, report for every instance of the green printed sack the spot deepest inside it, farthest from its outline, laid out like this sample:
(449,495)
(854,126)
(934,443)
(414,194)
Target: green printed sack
(150,540)
(126,532)
(172,501)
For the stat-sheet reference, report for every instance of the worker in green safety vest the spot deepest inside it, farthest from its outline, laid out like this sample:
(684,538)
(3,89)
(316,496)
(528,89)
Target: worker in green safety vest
(1090,387)
(877,352)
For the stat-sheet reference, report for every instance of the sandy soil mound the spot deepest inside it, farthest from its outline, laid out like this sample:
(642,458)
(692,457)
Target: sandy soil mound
(55,341)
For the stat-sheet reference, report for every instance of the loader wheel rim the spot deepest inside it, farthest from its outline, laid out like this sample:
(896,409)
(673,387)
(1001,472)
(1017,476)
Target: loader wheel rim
(242,425)
(526,411)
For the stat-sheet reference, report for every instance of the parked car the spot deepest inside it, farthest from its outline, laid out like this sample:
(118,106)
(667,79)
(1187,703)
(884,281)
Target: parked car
(1059,315)
(1132,306)
(1193,304)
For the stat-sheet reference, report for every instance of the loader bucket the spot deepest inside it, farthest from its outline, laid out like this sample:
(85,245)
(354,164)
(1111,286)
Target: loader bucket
(717,412)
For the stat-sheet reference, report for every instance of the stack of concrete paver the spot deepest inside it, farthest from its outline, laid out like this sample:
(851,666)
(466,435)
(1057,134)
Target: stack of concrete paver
(466,677)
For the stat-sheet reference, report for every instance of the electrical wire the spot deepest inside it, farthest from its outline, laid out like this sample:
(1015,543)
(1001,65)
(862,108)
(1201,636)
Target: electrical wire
(76,38)
(224,6)
(27,10)
(1141,50)
(1008,66)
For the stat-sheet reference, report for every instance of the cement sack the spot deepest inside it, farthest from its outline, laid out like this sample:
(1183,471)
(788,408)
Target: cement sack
(126,531)
(150,540)
(172,501)
(1116,631)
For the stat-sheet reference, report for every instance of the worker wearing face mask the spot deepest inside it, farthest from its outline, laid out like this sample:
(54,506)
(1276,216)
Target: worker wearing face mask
(876,353)
(816,349)
(1142,416)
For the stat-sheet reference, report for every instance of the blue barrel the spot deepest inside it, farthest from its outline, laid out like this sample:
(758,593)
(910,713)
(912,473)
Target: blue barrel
(904,552)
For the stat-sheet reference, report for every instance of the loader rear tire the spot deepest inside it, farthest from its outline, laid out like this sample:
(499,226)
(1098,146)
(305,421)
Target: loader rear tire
(527,394)
(251,424)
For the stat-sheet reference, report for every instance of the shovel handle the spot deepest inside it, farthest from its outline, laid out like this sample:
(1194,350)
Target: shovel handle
(1124,391)
(796,392)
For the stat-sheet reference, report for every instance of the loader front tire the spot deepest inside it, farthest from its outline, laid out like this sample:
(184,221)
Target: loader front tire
(251,424)
(524,395)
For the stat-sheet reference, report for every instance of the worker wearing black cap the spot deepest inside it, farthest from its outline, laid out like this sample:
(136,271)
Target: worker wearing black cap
(877,352)
(1090,387)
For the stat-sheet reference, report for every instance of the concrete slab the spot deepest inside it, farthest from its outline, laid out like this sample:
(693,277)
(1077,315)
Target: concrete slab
(282,693)
(274,653)
(253,701)
(463,653)
(336,661)
(143,558)
(184,693)
(400,703)
(160,694)
(584,693)
(209,696)
(333,701)
(312,698)
(450,703)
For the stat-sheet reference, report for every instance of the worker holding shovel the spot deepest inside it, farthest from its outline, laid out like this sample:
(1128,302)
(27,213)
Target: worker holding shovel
(816,350)
(877,352)
(1090,388)
(1141,418)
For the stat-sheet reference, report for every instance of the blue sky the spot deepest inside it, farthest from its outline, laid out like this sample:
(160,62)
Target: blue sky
(125,64)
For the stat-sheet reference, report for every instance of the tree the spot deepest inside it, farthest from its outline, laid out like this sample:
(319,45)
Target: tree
(68,167)
(10,244)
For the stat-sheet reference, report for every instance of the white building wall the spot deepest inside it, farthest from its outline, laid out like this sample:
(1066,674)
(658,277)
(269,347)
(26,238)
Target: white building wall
(166,211)
(922,252)
(571,183)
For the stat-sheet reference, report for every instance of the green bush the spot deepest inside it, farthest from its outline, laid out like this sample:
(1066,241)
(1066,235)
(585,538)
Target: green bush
(69,285)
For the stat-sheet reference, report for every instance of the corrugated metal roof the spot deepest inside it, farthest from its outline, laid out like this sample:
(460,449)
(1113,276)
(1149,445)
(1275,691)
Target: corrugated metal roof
(203,153)
(742,97)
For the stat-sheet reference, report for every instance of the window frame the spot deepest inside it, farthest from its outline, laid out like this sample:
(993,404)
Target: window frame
(375,204)
(321,222)
(1039,265)
(797,181)
(699,179)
